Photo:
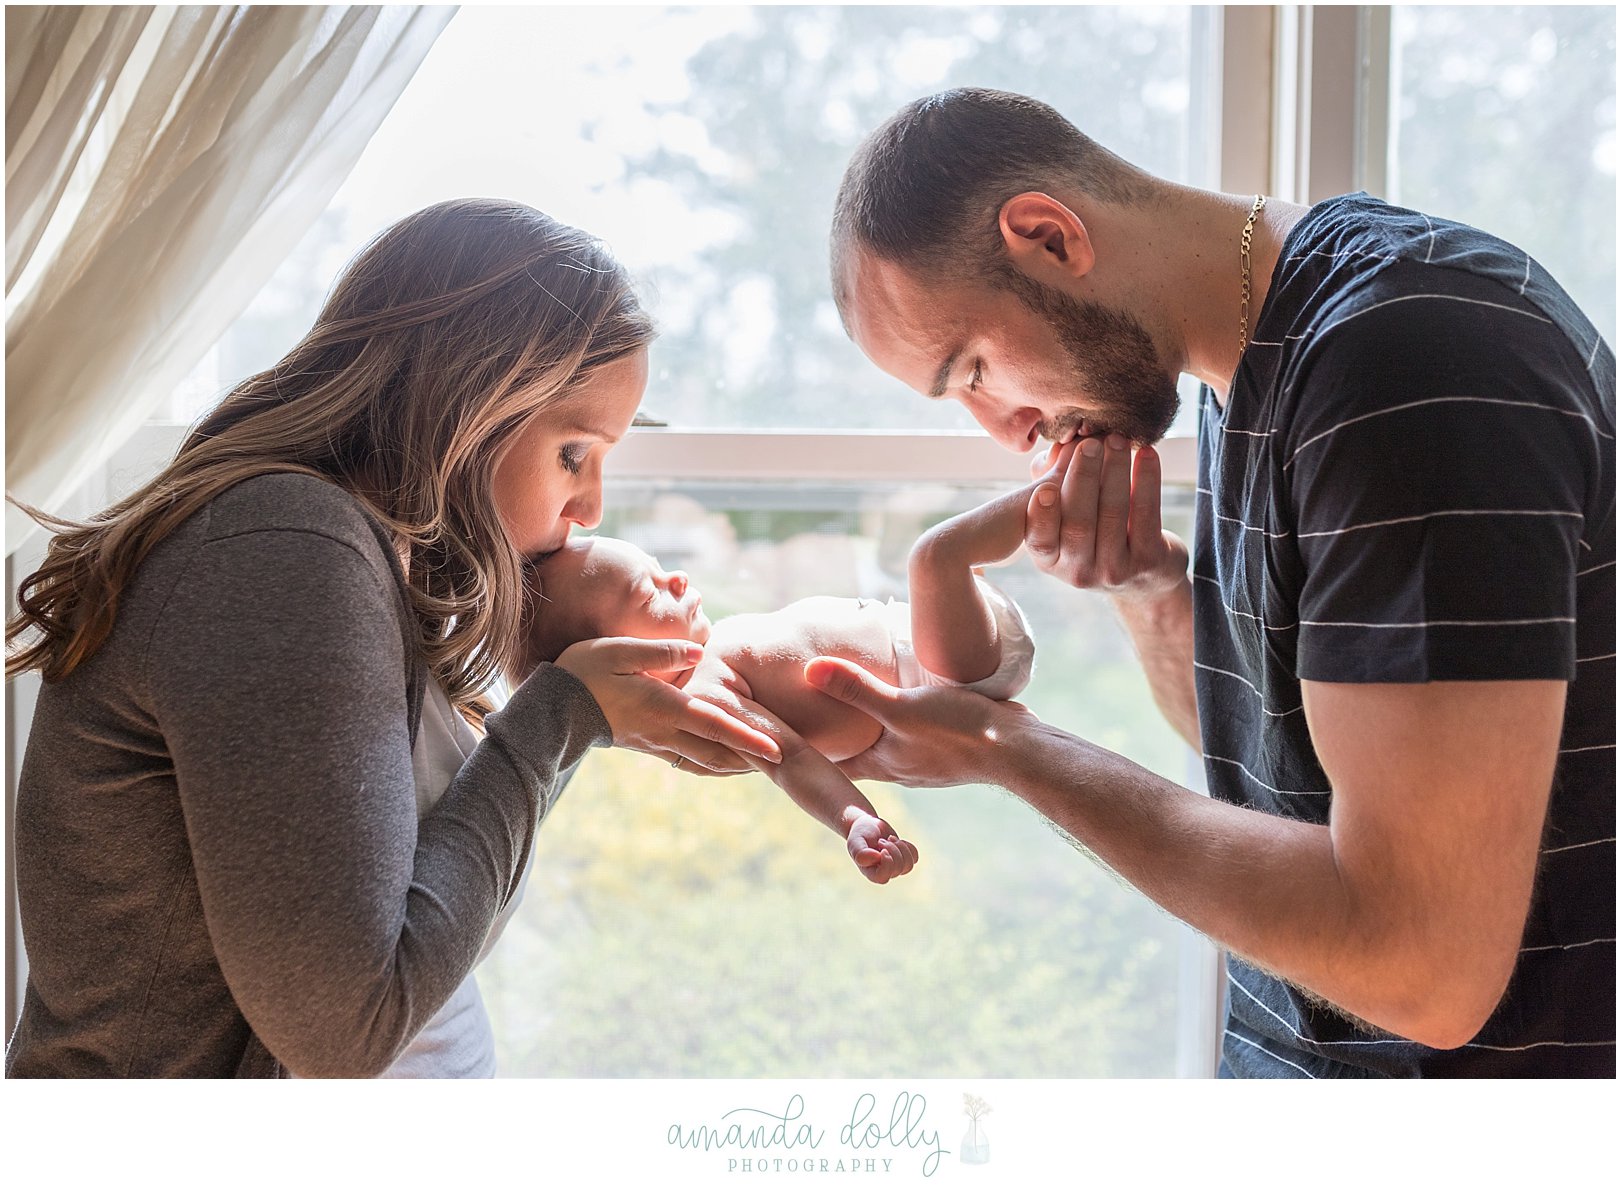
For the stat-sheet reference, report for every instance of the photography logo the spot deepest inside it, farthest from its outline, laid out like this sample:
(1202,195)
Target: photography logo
(976,1144)
(837,1137)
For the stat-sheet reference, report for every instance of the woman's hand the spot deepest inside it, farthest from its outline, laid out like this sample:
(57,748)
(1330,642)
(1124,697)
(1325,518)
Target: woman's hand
(648,714)
(934,737)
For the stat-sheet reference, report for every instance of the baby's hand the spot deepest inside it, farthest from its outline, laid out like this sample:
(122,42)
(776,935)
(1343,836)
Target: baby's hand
(879,853)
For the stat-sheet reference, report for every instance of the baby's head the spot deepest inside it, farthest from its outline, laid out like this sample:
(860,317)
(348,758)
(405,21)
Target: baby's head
(596,586)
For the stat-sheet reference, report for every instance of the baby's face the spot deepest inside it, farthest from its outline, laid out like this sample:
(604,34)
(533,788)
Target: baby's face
(623,591)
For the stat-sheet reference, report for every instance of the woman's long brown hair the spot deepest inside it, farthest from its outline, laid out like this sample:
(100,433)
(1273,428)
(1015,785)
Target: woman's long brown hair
(442,338)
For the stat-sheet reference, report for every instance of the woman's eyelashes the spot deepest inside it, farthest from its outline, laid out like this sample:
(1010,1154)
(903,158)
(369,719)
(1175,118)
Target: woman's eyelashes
(571,457)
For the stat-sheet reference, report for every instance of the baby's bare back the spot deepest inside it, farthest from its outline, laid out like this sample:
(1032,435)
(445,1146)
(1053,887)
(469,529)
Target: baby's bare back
(769,652)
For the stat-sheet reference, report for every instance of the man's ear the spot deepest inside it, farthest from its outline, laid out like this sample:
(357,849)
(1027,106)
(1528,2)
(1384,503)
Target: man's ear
(1041,234)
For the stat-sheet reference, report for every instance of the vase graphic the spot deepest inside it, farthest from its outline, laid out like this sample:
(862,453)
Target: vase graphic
(976,1145)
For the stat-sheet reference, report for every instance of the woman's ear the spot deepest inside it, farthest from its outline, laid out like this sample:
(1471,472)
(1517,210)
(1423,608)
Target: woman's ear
(1041,234)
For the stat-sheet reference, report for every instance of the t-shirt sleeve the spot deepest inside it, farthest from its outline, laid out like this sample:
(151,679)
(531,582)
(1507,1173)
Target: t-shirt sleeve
(1434,476)
(341,925)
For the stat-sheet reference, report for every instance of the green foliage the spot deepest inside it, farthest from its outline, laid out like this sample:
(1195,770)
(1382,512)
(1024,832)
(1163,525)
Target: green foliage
(678,926)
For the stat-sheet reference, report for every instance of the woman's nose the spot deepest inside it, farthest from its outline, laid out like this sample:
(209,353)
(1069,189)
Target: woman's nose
(585,509)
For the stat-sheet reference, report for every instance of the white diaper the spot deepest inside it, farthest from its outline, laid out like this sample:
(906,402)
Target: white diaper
(1012,635)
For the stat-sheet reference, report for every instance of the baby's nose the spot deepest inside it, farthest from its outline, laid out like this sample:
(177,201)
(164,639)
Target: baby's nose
(678,584)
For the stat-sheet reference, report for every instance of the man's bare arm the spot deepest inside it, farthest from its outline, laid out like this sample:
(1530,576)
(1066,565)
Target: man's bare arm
(1161,631)
(1405,910)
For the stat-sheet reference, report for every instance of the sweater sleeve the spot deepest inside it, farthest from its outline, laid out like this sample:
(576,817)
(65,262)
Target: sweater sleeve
(340,923)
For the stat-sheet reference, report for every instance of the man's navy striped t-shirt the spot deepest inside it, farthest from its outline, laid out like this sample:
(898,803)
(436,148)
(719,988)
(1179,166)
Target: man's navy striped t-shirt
(1414,480)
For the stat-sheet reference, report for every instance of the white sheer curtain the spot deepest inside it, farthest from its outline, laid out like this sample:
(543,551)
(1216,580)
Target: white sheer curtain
(160,163)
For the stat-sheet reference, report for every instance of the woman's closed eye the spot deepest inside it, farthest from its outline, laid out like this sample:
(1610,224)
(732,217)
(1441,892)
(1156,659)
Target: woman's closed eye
(571,457)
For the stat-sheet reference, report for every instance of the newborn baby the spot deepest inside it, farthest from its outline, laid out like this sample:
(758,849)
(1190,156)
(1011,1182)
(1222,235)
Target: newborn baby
(958,630)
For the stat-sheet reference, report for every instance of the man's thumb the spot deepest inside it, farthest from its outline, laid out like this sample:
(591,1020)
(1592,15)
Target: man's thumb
(848,682)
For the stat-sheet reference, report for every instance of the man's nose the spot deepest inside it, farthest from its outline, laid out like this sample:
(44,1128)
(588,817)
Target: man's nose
(1011,432)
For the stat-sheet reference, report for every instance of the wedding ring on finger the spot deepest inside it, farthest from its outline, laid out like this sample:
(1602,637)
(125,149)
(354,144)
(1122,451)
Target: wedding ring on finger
(677,763)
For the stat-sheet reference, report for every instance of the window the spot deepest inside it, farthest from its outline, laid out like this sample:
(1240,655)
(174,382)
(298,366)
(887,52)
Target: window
(706,145)
(675,926)
(1504,118)
(678,926)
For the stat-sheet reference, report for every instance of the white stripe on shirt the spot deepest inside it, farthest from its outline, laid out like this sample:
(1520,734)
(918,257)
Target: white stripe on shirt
(1338,256)
(1326,1043)
(1603,940)
(1253,689)
(1263,783)
(1250,527)
(1430,516)
(1233,610)
(1434,297)
(1268,1051)
(1581,845)
(1547,1044)
(1287,1026)
(1442,623)
(1593,425)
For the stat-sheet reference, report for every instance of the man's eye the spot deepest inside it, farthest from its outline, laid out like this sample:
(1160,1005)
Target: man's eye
(571,458)
(977,375)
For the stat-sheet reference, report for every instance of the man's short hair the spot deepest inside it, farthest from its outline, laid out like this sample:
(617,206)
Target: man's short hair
(925,188)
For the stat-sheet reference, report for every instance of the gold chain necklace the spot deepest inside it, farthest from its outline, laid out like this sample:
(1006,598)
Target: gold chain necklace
(1244,258)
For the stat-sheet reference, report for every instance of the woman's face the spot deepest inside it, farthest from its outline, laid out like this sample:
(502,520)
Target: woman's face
(551,478)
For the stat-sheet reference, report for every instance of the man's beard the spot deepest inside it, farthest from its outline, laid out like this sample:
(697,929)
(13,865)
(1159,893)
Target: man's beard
(1112,361)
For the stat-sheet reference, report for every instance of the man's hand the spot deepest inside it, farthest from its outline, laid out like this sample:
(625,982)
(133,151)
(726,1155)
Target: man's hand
(933,737)
(650,715)
(1098,527)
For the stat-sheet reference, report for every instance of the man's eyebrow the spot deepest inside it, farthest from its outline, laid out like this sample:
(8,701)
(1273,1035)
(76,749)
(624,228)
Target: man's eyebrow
(943,376)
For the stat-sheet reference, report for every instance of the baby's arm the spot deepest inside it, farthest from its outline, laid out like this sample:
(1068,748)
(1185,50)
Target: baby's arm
(810,779)
(823,791)
(953,631)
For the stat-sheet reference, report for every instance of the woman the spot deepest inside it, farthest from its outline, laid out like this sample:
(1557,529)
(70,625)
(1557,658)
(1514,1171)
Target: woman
(220,865)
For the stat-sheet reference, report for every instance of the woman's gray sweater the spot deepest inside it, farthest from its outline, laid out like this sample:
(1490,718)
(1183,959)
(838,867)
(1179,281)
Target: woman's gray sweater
(219,860)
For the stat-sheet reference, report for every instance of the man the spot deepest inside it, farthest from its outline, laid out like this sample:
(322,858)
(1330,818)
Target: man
(1396,641)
